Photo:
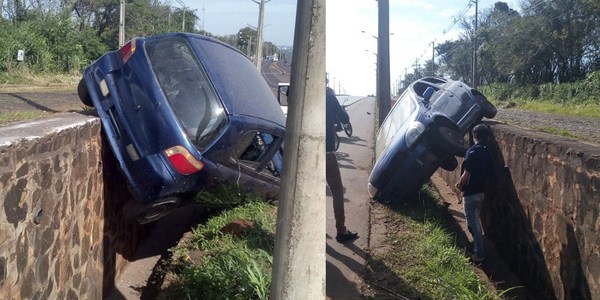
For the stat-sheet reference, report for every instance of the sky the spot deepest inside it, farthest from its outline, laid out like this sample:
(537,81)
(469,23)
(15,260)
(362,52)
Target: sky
(351,54)
(224,17)
(414,25)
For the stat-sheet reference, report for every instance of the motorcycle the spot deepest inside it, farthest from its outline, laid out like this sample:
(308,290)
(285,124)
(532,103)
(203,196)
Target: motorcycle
(339,126)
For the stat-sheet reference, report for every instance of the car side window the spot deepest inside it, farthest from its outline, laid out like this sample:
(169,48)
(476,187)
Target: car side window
(187,89)
(254,153)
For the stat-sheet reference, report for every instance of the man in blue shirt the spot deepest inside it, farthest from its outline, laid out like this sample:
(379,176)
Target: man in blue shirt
(333,111)
(474,174)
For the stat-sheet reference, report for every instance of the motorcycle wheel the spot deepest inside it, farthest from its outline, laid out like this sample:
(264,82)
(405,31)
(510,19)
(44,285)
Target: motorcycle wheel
(337,141)
(348,129)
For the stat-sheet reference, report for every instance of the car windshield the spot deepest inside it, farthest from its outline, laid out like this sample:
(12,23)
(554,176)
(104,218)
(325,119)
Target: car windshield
(187,89)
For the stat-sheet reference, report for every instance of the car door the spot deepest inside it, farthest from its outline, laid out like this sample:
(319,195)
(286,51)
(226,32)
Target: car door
(257,162)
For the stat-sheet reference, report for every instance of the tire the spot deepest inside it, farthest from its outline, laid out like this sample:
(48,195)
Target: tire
(488,109)
(83,93)
(449,163)
(145,213)
(452,142)
(348,129)
(337,141)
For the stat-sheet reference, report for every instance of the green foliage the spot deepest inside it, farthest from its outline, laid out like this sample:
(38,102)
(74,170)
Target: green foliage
(584,92)
(8,117)
(65,37)
(231,267)
(423,255)
(546,41)
(226,195)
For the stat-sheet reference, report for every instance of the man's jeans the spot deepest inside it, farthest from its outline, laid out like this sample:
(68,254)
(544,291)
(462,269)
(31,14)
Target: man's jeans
(472,206)
(334,180)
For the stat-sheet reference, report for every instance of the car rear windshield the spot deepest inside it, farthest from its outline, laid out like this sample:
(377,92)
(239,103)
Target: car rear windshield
(187,89)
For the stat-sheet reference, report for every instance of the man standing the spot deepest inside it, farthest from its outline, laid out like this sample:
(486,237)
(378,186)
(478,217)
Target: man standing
(474,173)
(333,111)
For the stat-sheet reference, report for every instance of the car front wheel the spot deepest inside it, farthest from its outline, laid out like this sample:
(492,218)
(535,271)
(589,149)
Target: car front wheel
(488,109)
(452,142)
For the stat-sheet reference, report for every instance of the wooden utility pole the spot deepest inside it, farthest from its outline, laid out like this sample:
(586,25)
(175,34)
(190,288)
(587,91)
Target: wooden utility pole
(299,256)
(383,60)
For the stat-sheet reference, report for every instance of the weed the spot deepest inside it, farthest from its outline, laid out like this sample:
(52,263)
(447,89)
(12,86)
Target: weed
(14,116)
(232,267)
(422,258)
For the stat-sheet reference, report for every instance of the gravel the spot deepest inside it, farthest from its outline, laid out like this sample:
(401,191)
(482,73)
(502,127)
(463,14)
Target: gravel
(581,128)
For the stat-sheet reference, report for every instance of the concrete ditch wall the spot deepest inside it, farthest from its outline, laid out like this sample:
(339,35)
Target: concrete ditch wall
(543,212)
(61,235)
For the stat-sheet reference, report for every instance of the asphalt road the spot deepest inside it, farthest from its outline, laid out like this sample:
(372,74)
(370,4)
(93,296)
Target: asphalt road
(346,262)
(63,99)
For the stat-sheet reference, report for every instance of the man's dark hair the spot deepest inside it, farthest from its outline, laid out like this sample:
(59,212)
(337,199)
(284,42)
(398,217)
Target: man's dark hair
(481,132)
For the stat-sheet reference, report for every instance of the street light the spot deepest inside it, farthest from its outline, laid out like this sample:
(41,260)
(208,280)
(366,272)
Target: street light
(368,34)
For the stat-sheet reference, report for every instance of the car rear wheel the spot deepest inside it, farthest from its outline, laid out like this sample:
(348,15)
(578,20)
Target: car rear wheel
(488,109)
(83,93)
(452,142)
(145,213)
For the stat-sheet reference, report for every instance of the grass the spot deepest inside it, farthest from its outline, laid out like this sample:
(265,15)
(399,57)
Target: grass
(589,110)
(422,258)
(421,253)
(231,265)
(24,78)
(14,116)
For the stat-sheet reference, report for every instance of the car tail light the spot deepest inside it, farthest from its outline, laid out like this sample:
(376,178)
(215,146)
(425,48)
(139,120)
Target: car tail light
(127,50)
(183,161)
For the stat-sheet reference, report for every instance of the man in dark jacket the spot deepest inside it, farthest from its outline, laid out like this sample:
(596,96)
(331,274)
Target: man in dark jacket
(474,174)
(335,111)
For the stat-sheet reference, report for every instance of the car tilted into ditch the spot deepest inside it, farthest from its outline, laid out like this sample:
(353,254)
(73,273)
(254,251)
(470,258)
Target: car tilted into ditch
(424,131)
(183,112)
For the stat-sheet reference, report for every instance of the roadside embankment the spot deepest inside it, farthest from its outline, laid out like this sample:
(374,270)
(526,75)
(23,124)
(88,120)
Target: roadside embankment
(543,211)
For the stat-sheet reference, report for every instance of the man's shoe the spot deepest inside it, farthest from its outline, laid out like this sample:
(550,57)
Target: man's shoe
(346,236)
(477,259)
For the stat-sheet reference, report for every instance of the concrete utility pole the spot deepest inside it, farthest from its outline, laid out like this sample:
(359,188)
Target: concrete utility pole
(259,32)
(474,80)
(383,59)
(121,23)
(183,7)
(299,256)
(433,58)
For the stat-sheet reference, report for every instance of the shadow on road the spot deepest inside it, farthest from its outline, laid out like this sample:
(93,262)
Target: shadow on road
(33,104)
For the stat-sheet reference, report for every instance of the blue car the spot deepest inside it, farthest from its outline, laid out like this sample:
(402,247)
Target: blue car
(183,112)
(423,131)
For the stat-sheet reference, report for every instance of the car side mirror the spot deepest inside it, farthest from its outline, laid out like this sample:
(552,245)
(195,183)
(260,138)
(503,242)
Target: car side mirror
(427,95)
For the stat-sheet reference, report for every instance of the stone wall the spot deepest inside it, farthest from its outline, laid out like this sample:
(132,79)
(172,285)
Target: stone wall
(61,235)
(543,211)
